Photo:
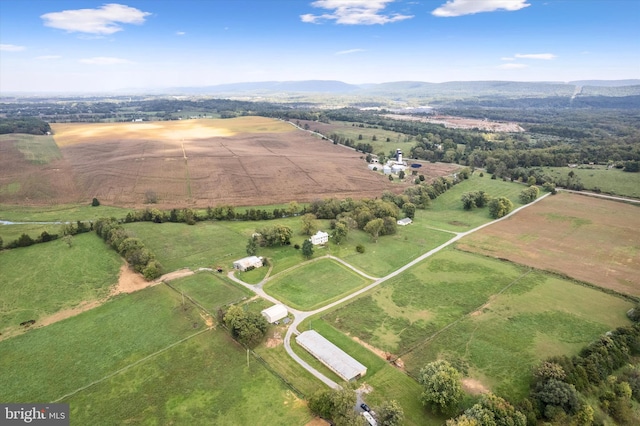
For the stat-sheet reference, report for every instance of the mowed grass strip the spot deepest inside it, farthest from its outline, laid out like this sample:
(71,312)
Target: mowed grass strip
(536,318)
(205,380)
(210,290)
(315,284)
(43,279)
(50,362)
(409,308)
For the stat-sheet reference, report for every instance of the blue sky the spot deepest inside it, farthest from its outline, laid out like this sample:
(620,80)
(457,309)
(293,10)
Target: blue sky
(94,46)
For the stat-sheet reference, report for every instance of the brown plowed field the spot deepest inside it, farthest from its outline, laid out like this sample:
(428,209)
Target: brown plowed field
(590,239)
(242,161)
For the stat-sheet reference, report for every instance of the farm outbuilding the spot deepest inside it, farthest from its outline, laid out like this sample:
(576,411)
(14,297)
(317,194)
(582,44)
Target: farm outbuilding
(247,262)
(319,238)
(332,356)
(275,313)
(404,222)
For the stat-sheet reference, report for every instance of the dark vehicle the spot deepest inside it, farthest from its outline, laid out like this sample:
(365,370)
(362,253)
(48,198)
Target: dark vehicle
(365,407)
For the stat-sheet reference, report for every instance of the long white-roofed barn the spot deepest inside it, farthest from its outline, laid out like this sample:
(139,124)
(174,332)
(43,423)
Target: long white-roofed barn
(332,356)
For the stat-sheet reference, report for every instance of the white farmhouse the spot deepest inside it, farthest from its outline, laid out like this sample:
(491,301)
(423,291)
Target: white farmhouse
(247,262)
(274,313)
(319,238)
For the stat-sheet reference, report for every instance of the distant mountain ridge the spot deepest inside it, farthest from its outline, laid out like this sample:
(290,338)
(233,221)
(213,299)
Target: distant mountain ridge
(452,89)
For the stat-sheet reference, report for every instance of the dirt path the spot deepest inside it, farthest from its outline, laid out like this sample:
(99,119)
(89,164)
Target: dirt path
(128,282)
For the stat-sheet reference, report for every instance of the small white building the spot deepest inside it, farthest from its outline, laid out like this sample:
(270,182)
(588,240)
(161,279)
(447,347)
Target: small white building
(247,262)
(404,222)
(274,313)
(319,238)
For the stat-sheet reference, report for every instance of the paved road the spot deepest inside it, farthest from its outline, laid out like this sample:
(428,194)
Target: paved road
(300,316)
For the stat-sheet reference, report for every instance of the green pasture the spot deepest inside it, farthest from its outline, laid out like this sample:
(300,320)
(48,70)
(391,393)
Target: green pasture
(281,362)
(59,213)
(446,212)
(315,284)
(11,233)
(35,149)
(49,362)
(178,245)
(205,380)
(531,321)
(391,251)
(45,278)
(609,181)
(210,290)
(409,308)
(213,243)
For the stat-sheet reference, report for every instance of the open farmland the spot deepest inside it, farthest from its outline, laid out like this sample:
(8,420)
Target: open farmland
(590,239)
(241,161)
(34,171)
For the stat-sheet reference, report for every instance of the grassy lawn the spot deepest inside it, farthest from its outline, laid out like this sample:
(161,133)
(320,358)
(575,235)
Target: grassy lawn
(205,380)
(210,290)
(315,284)
(609,181)
(531,321)
(446,211)
(391,251)
(45,278)
(89,346)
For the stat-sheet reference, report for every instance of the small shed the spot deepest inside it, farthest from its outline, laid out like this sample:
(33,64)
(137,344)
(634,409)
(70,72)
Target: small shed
(330,355)
(319,238)
(274,313)
(404,222)
(247,262)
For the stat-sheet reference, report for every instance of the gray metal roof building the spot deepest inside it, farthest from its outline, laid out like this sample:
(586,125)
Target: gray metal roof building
(332,356)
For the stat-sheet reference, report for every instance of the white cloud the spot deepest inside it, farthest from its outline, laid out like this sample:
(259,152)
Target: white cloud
(180,33)
(103,20)
(348,52)
(11,48)
(544,56)
(512,66)
(48,57)
(354,12)
(468,7)
(104,60)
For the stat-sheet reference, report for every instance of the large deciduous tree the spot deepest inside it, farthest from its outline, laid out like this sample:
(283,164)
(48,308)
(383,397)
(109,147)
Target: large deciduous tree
(390,413)
(442,389)
(373,228)
(499,207)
